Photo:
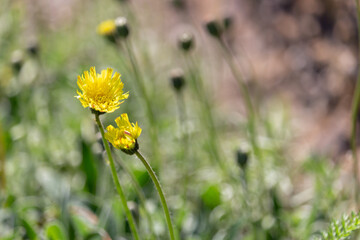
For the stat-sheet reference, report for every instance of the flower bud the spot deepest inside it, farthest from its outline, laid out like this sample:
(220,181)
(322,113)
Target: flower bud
(17,60)
(124,137)
(122,27)
(107,29)
(186,41)
(177,79)
(242,159)
(214,28)
(228,22)
(33,48)
(180,4)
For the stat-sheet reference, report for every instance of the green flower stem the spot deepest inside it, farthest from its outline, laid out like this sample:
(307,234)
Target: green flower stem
(2,162)
(184,138)
(140,193)
(243,87)
(355,111)
(206,111)
(141,86)
(180,102)
(116,180)
(160,192)
(251,109)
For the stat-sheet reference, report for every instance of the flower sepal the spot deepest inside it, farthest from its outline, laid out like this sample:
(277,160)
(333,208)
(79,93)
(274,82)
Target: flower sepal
(131,151)
(96,112)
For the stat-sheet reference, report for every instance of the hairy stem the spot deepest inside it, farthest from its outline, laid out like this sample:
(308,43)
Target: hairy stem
(140,193)
(160,192)
(116,180)
(141,87)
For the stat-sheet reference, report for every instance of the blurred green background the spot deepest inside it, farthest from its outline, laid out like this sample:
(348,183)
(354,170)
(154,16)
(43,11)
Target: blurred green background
(284,174)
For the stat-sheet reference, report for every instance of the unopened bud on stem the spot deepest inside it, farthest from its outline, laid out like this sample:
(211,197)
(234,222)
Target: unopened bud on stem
(186,42)
(177,79)
(214,28)
(122,27)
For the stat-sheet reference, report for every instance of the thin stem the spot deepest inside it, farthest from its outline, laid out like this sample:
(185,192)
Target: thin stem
(251,110)
(140,193)
(184,138)
(139,81)
(2,162)
(355,111)
(243,87)
(206,111)
(116,180)
(181,112)
(141,86)
(160,192)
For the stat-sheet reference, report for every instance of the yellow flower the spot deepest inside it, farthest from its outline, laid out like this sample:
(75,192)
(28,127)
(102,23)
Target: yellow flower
(101,92)
(124,137)
(106,28)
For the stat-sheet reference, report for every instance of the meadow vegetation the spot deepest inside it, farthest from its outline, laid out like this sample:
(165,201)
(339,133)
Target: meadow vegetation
(152,150)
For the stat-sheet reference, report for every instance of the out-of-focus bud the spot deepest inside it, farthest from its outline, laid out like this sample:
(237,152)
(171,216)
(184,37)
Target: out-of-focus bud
(108,30)
(214,28)
(242,159)
(122,27)
(186,42)
(177,79)
(17,60)
(228,22)
(33,48)
(180,4)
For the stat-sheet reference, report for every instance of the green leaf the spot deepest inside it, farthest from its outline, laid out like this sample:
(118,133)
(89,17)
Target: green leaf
(55,231)
(211,196)
(30,231)
(93,236)
(88,166)
(342,229)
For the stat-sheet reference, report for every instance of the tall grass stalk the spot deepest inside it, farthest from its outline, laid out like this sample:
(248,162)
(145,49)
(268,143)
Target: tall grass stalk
(355,112)
(145,96)
(141,195)
(206,110)
(251,110)
(2,161)
(239,78)
(184,138)
(160,192)
(116,180)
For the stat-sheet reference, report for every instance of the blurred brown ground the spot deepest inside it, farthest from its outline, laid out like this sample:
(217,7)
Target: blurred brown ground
(303,52)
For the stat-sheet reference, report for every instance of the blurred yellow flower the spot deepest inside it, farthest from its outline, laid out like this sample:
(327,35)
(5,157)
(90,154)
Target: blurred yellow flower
(106,28)
(101,92)
(124,137)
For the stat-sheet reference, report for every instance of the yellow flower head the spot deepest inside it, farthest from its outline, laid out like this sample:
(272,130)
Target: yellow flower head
(124,137)
(101,92)
(106,28)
